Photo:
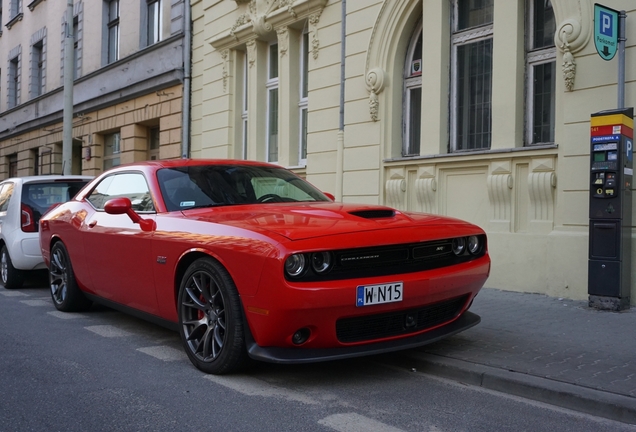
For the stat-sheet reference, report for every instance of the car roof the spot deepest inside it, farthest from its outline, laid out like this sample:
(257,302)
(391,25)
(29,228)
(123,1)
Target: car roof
(46,178)
(172,163)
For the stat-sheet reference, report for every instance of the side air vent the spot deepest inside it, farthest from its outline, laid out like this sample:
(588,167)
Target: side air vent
(374,214)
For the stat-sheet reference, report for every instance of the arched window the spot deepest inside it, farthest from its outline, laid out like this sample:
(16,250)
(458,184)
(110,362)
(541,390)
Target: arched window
(412,116)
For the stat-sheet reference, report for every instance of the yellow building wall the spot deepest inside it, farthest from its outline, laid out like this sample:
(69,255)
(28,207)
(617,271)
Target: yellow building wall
(532,201)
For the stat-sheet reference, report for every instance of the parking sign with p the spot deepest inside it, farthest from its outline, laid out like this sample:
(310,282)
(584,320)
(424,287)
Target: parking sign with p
(605,31)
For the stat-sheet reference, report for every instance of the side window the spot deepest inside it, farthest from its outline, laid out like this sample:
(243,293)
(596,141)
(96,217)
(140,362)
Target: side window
(130,185)
(5,196)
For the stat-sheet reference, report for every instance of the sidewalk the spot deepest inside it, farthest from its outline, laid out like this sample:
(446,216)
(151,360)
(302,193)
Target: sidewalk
(553,350)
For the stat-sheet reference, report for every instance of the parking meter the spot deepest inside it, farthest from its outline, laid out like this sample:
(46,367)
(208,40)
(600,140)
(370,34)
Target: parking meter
(611,173)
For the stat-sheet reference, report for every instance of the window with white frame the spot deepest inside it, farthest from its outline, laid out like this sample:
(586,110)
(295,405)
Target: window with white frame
(112,25)
(244,105)
(412,115)
(112,150)
(472,41)
(153,24)
(541,72)
(272,104)
(37,68)
(303,102)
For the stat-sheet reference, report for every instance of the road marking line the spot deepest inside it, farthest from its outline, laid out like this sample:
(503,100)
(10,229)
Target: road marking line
(254,387)
(164,353)
(13,294)
(353,422)
(36,302)
(66,315)
(108,331)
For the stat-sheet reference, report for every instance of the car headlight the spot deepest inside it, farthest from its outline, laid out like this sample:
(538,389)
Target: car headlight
(295,265)
(321,262)
(474,245)
(459,245)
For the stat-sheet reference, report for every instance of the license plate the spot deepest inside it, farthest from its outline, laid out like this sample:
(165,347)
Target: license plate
(378,294)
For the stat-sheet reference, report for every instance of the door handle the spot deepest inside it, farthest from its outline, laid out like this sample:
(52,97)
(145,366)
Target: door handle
(92,224)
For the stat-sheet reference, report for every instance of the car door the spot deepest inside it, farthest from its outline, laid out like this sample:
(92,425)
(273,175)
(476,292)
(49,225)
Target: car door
(118,250)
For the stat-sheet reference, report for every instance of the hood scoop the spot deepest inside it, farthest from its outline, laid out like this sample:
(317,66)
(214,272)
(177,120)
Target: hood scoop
(374,214)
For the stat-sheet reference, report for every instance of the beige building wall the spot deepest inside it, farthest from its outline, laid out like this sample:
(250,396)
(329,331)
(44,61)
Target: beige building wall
(531,200)
(132,119)
(139,92)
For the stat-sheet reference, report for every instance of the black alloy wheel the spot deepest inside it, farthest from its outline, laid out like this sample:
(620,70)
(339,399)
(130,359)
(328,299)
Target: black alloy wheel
(210,318)
(11,277)
(66,295)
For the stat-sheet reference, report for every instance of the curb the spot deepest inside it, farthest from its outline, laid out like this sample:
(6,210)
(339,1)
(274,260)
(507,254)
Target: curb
(583,399)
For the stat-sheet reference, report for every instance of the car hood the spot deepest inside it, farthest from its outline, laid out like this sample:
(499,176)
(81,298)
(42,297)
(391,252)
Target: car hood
(310,220)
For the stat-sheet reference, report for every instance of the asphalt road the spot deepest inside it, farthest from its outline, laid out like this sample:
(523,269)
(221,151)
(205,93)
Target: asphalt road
(105,371)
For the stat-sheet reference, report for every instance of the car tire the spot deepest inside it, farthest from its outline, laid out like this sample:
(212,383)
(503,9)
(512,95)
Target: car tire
(66,295)
(11,277)
(211,318)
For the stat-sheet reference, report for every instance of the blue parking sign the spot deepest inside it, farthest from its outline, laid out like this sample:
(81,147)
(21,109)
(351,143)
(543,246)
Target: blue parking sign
(605,31)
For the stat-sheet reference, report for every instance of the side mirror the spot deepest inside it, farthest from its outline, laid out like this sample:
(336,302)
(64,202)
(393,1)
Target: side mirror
(123,205)
(330,196)
(117,206)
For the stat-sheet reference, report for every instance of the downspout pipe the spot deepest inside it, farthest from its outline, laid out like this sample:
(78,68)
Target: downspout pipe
(187,71)
(340,144)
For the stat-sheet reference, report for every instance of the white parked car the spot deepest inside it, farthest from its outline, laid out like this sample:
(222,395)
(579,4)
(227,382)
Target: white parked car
(23,200)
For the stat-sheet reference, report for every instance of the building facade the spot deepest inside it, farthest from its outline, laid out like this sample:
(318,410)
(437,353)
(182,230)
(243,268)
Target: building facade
(474,109)
(128,80)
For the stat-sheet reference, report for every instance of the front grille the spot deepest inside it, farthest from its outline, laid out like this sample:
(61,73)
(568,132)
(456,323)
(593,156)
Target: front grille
(392,260)
(379,326)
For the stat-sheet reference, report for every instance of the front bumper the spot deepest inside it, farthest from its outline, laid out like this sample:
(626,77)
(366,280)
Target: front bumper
(309,355)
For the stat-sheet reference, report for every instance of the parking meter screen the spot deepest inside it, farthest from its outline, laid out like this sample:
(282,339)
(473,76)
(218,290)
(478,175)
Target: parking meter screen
(599,157)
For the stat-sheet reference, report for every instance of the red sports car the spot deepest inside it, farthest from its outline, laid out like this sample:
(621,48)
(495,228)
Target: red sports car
(246,259)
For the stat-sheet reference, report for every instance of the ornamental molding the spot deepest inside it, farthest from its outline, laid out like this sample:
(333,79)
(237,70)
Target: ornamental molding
(251,52)
(260,18)
(313,30)
(500,196)
(288,4)
(282,34)
(225,60)
(395,189)
(541,187)
(375,79)
(425,188)
(574,28)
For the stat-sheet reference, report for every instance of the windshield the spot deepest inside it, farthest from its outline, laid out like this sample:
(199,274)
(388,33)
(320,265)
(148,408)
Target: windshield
(217,185)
